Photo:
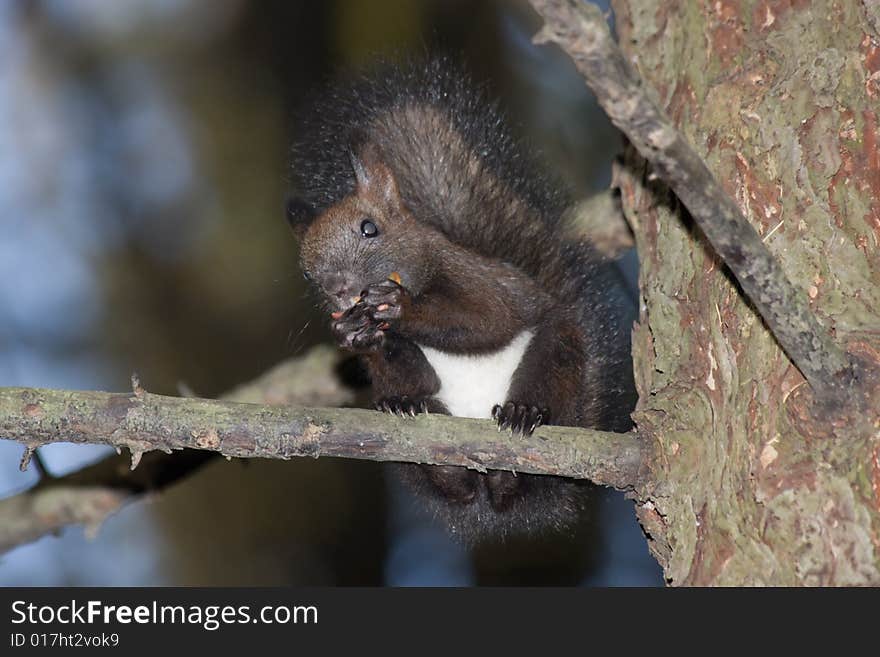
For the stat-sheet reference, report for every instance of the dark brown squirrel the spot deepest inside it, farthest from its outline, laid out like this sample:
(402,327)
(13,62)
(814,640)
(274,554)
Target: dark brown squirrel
(437,246)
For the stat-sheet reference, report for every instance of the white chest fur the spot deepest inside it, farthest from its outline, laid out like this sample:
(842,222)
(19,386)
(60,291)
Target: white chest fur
(471,385)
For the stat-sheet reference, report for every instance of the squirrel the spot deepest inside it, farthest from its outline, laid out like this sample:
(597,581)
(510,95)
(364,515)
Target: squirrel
(437,245)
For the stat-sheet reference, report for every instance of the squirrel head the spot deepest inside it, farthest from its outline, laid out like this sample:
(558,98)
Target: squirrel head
(363,238)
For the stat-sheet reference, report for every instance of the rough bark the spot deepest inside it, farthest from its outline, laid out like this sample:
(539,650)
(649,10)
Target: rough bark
(780,98)
(581,30)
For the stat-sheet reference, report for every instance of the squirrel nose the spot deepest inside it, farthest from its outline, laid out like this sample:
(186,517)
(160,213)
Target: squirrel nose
(340,286)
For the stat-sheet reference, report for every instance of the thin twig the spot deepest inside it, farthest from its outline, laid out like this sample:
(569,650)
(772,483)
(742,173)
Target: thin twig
(40,465)
(581,30)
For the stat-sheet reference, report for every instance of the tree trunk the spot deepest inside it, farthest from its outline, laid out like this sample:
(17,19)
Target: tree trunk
(781,98)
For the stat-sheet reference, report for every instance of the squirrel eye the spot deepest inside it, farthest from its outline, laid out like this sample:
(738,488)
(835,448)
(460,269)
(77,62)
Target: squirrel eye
(307,275)
(368,228)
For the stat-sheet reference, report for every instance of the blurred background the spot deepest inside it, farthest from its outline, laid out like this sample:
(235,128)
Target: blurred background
(143,173)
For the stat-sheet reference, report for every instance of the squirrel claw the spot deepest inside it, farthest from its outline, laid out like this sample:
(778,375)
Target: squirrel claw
(402,406)
(519,418)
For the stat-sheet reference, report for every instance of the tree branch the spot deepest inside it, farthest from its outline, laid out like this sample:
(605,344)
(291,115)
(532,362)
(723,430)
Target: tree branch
(90,495)
(582,32)
(143,421)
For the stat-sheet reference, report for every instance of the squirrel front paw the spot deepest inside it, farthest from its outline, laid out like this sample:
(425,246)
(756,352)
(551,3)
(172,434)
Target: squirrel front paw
(384,300)
(357,330)
(362,327)
(519,418)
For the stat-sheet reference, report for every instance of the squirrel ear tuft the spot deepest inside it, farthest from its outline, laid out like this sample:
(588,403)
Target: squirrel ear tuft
(361,176)
(373,176)
(299,215)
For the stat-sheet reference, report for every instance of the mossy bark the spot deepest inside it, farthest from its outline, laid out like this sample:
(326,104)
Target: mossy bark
(143,422)
(781,98)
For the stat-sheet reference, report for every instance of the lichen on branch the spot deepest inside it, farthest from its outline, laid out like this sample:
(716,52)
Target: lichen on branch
(142,421)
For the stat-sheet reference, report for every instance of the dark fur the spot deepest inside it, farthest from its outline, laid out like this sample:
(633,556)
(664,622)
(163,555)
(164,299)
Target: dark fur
(473,229)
